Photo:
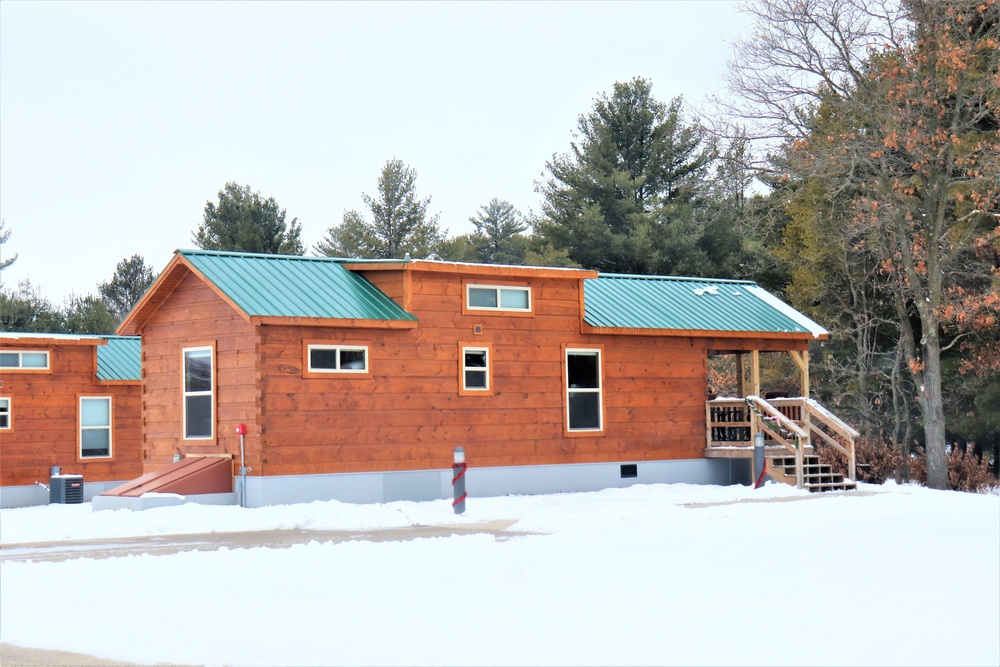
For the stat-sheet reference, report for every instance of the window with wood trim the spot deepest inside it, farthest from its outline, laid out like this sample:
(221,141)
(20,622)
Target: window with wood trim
(498,297)
(199,392)
(95,427)
(584,392)
(5,417)
(336,359)
(475,370)
(25,360)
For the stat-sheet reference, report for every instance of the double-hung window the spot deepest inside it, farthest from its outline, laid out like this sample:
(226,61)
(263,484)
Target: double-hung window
(25,360)
(199,393)
(584,392)
(475,370)
(506,298)
(336,359)
(95,427)
(5,422)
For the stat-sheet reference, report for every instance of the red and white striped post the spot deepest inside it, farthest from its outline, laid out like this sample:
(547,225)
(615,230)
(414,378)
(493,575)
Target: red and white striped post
(458,480)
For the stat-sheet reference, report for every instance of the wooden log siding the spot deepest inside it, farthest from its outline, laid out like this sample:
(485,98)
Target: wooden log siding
(408,413)
(44,416)
(194,315)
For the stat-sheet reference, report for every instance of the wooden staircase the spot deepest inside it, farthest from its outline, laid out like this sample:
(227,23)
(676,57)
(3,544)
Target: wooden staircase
(793,429)
(816,476)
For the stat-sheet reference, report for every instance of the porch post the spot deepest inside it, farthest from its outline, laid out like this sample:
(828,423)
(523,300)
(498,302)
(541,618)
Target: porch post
(755,372)
(801,360)
(741,382)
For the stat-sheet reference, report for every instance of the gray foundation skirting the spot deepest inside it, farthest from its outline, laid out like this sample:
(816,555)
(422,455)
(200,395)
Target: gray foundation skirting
(383,487)
(36,494)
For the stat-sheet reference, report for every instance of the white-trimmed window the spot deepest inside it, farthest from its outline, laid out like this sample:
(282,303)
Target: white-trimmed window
(5,422)
(475,369)
(28,360)
(337,359)
(199,393)
(584,400)
(95,427)
(498,297)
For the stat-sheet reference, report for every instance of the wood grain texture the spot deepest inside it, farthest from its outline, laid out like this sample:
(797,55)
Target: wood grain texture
(44,417)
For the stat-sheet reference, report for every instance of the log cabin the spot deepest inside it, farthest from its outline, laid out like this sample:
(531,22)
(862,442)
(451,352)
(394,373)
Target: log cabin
(68,401)
(356,380)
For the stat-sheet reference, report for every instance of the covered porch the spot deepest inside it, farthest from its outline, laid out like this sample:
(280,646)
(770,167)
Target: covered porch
(793,427)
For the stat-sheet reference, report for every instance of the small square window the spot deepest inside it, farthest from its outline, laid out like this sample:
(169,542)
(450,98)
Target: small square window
(474,370)
(5,414)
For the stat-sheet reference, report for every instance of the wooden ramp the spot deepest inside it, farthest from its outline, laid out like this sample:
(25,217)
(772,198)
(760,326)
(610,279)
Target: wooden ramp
(193,475)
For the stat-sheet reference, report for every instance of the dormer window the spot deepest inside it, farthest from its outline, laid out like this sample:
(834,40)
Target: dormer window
(24,360)
(498,298)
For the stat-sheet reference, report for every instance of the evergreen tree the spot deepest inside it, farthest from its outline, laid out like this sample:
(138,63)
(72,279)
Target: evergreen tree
(126,287)
(87,315)
(25,309)
(4,235)
(245,221)
(399,227)
(623,199)
(498,236)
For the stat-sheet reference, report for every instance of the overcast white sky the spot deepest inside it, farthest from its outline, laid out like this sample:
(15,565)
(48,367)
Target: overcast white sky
(118,121)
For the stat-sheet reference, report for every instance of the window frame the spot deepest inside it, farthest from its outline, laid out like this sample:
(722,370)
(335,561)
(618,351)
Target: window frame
(211,392)
(308,371)
(21,368)
(592,350)
(464,390)
(9,413)
(467,308)
(110,427)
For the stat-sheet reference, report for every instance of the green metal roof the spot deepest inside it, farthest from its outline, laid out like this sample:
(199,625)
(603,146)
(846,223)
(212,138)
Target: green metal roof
(120,359)
(700,304)
(294,286)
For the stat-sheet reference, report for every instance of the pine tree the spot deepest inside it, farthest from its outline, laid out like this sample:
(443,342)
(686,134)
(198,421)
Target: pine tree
(399,227)
(623,198)
(126,287)
(245,221)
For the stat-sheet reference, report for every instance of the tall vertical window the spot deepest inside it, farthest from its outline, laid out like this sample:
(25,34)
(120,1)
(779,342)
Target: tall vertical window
(5,423)
(95,427)
(475,369)
(199,398)
(584,403)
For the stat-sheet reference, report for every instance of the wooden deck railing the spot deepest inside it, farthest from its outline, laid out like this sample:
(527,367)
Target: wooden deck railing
(789,422)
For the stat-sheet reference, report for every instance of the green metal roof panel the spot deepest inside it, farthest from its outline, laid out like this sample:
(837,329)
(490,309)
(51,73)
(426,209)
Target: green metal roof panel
(120,359)
(294,286)
(699,304)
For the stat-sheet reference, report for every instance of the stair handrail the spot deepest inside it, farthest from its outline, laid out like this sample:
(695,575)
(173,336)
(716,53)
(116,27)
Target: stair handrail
(812,408)
(772,414)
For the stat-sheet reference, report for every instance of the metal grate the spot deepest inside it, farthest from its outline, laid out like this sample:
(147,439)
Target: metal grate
(66,489)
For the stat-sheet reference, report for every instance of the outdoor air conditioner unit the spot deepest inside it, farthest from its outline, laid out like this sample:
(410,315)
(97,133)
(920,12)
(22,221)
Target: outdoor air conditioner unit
(66,489)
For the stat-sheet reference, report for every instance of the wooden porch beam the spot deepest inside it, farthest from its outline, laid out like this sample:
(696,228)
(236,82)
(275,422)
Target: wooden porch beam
(801,360)
(755,372)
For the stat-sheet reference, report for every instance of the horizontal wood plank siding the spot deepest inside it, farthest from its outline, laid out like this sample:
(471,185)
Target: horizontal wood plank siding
(44,416)
(194,315)
(408,413)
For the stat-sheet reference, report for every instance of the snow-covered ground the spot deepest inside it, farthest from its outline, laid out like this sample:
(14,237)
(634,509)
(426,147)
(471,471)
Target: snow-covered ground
(659,574)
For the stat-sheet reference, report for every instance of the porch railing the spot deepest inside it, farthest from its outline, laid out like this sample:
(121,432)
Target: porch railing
(788,422)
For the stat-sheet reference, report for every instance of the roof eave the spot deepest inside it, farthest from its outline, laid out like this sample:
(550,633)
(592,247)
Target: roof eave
(702,333)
